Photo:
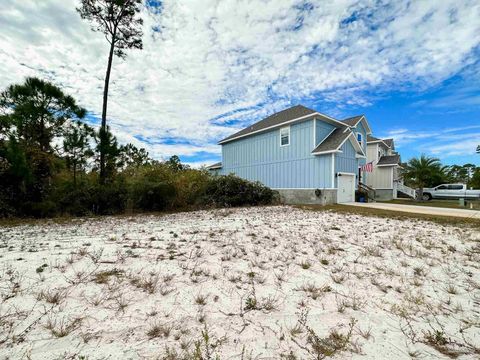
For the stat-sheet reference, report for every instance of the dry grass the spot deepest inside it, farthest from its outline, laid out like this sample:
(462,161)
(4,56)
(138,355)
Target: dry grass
(239,283)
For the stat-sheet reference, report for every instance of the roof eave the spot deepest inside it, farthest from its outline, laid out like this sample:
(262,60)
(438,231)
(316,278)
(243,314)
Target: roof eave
(326,118)
(378,141)
(268,128)
(326,152)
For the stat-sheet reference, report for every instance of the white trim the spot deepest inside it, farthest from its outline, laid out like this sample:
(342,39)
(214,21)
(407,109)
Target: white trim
(383,188)
(280,135)
(325,138)
(314,132)
(282,124)
(326,152)
(367,127)
(345,173)
(353,142)
(333,169)
(214,167)
(330,118)
(387,165)
(357,156)
(379,141)
(361,138)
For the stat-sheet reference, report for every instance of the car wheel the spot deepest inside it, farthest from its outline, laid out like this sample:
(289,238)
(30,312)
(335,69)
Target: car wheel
(427,197)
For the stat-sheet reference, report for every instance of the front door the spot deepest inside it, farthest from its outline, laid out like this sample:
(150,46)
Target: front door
(346,188)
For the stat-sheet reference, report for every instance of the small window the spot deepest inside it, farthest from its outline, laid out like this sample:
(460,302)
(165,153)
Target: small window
(285,136)
(455,187)
(360,139)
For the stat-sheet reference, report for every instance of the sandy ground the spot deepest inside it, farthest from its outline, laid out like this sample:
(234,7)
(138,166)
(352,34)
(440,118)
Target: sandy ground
(250,283)
(416,209)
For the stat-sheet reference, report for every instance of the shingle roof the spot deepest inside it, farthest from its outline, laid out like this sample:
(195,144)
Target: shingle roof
(333,141)
(389,160)
(389,143)
(274,120)
(352,121)
(215,166)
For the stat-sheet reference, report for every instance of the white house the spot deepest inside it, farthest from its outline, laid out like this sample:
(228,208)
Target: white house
(386,176)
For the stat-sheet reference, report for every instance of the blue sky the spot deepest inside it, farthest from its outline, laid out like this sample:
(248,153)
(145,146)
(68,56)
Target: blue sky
(211,67)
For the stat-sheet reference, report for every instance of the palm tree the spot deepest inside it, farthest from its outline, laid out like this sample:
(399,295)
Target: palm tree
(421,170)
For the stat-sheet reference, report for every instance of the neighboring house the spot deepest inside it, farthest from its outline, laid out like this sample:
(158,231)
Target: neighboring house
(307,156)
(386,176)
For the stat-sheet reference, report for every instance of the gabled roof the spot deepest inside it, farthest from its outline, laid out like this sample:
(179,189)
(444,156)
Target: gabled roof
(387,142)
(276,119)
(284,117)
(215,166)
(354,120)
(389,160)
(332,142)
(335,140)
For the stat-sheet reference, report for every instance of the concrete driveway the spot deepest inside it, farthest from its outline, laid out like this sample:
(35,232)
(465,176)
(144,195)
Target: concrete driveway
(415,209)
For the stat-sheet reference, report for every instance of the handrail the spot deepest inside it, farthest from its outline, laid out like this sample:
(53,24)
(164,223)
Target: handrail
(366,186)
(407,190)
(369,190)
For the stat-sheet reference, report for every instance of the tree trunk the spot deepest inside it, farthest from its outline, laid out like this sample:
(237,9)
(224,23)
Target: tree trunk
(74,174)
(103,128)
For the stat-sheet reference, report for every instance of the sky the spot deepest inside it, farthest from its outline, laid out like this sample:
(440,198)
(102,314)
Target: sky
(211,67)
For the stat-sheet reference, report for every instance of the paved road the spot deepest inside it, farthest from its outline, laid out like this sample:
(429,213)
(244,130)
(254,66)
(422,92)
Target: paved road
(474,214)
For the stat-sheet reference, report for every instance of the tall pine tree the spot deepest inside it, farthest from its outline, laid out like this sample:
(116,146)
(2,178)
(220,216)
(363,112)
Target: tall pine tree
(119,21)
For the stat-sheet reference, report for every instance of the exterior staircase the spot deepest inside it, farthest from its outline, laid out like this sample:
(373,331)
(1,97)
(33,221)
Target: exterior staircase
(412,193)
(368,190)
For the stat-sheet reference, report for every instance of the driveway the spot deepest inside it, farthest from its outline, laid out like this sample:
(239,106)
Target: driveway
(462,213)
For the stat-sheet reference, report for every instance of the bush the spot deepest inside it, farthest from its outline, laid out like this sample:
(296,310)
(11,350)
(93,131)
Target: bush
(151,196)
(152,187)
(190,186)
(230,190)
(40,209)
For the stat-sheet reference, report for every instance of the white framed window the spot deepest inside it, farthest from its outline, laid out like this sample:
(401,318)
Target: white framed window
(360,139)
(285,136)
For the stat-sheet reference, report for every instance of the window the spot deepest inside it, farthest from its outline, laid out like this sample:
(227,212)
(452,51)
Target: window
(285,136)
(442,187)
(360,139)
(455,187)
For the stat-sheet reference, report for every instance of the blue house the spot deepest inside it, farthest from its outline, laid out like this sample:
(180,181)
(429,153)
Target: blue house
(307,156)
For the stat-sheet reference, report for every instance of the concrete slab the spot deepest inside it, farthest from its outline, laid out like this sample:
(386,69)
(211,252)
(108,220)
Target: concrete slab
(416,209)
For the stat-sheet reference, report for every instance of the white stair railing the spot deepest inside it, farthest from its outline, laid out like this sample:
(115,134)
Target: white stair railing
(406,190)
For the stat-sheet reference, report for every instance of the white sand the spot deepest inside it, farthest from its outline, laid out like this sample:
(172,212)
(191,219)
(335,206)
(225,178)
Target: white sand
(413,287)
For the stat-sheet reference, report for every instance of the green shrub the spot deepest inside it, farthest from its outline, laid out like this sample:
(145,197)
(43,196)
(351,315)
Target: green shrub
(151,196)
(230,190)
(42,209)
(153,187)
(190,186)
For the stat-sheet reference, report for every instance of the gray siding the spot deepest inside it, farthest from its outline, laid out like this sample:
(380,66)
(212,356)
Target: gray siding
(261,158)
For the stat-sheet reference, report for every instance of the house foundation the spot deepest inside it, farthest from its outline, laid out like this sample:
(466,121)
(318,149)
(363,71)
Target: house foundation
(308,196)
(384,194)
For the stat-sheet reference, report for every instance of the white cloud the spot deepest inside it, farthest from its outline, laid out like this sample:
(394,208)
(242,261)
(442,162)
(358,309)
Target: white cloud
(215,57)
(443,143)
